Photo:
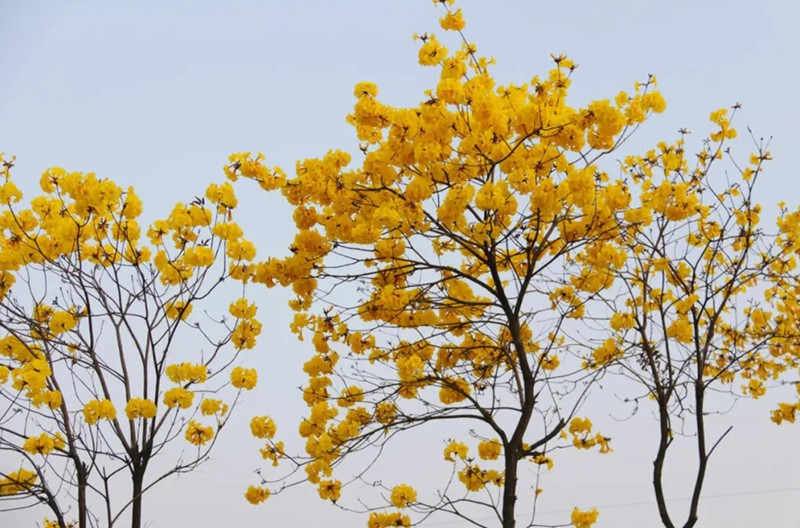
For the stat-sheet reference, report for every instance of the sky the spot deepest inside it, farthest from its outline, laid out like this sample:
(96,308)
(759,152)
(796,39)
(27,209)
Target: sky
(157,94)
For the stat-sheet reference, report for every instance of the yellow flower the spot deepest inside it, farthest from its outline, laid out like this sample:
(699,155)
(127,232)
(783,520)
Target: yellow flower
(454,391)
(198,434)
(186,372)
(61,322)
(330,490)
(384,520)
(241,250)
(603,442)
(490,450)
(256,494)
(455,448)
(583,519)
(350,396)
(473,478)
(550,362)
(606,353)
(244,378)
(272,452)
(222,195)
(178,308)
(681,330)
(227,230)
(140,408)
(622,321)
(785,411)
(385,413)
(43,444)
(542,459)
(178,397)
(201,256)
(262,427)
(363,89)
(755,388)
(431,52)
(580,425)
(453,21)
(242,309)
(244,335)
(211,406)
(17,482)
(95,410)
(402,495)
(132,207)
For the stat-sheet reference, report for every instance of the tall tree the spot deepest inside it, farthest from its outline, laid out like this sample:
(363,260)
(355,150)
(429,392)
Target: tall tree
(96,378)
(705,307)
(438,280)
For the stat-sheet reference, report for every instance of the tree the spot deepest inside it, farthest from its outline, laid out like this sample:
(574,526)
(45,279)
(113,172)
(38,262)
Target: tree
(438,280)
(102,366)
(706,297)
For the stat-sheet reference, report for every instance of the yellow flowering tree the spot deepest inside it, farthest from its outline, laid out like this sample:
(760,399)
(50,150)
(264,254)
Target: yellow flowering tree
(102,362)
(437,279)
(705,308)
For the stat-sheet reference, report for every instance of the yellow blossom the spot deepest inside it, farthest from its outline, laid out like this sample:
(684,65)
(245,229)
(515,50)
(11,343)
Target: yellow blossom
(140,408)
(490,449)
(211,406)
(455,448)
(330,490)
(262,427)
(244,378)
(256,494)
(402,495)
(583,518)
(95,410)
(179,397)
(198,434)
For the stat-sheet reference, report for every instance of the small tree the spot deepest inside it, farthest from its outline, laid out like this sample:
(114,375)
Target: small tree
(438,280)
(689,319)
(102,367)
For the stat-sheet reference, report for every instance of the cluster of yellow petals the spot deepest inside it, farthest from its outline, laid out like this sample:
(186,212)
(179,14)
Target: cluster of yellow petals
(256,494)
(178,397)
(476,479)
(402,495)
(387,519)
(177,309)
(186,372)
(95,410)
(542,460)
(330,490)
(580,429)
(455,448)
(137,408)
(490,449)
(43,444)
(262,427)
(31,375)
(211,406)
(198,434)
(583,518)
(18,481)
(55,524)
(244,378)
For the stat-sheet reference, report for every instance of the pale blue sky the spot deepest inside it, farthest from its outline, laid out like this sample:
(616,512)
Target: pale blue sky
(156,94)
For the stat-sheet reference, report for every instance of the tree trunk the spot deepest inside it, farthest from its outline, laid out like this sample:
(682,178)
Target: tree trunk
(82,479)
(658,463)
(136,513)
(510,488)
